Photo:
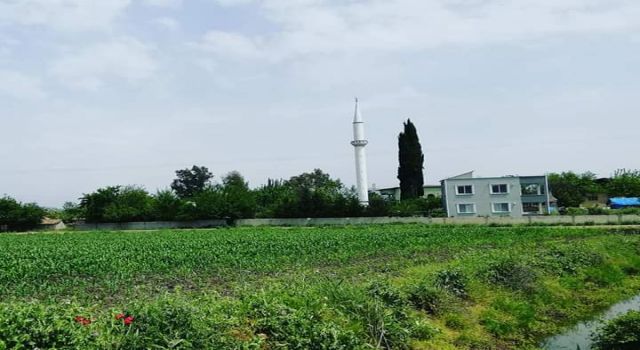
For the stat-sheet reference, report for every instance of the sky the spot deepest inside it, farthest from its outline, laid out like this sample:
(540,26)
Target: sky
(115,92)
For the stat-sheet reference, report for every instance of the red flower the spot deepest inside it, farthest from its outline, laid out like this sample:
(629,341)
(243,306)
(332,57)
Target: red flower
(119,316)
(128,320)
(83,321)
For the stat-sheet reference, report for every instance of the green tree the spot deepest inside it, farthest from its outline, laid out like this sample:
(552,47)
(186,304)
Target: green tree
(313,194)
(271,196)
(411,160)
(239,200)
(189,182)
(71,212)
(378,206)
(132,203)
(206,204)
(18,216)
(572,189)
(166,205)
(94,205)
(624,183)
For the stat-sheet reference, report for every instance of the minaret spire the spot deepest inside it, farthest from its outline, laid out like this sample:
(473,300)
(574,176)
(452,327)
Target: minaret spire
(359,142)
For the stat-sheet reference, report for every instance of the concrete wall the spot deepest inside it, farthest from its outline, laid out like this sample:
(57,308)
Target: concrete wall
(475,220)
(495,220)
(155,225)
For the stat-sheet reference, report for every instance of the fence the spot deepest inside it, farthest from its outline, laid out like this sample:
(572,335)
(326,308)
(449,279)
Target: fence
(154,225)
(531,220)
(527,220)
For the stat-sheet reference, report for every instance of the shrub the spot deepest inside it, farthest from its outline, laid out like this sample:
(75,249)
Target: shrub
(576,211)
(508,317)
(386,293)
(597,211)
(455,321)
(453,281)
(568,260)
(36,326)
(299,328)
(621,333)
(605,275)
(422,330)
(424,297)
(511,273)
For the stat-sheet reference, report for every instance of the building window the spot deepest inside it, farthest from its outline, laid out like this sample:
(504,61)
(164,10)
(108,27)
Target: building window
(532,190)
(466,208)
(531,208)
(499,189)
(501,207)
(464,190)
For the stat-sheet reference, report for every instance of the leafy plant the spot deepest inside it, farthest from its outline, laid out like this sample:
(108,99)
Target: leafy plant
(621,333)
(453,281)
(511,273)
(427,298)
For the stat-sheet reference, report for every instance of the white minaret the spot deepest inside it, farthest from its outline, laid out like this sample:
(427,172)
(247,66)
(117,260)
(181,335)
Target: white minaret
(359,142)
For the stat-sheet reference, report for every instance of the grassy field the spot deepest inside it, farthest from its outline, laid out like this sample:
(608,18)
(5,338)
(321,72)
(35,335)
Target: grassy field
(391,286)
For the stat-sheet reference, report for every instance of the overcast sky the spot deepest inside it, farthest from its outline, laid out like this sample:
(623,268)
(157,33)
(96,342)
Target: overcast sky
(105,92)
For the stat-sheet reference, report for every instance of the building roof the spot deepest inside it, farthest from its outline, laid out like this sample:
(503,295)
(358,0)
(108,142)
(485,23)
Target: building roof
(49,221)
(398,187)
(469,176)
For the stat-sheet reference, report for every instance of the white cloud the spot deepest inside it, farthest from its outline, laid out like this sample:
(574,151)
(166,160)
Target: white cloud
(62,14)
(163,3)
(329,27)
(167,23)
(89,68)
(230,44)
(20,86)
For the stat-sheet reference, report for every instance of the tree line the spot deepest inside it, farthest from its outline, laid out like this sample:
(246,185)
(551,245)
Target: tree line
(572,189)
(194,195)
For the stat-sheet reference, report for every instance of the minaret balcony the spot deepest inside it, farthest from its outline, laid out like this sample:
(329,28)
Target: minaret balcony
(359,143)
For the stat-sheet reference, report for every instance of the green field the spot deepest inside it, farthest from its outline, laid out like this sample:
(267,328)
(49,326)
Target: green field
(388,286)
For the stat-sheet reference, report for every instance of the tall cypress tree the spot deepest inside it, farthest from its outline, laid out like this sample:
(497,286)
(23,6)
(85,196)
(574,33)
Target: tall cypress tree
(411,162)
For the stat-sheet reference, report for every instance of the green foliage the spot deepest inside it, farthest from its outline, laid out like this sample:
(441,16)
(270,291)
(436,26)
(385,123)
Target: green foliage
(453,281)
(206,204)
(455,321)
(577,211)
(386,293)
(378,206)
(511,273)
(509,317)
(38,326)
(427,298)
(239,200)
(166,205)
(621,333)
(71,212)
(308,288)
(604,275)
(308,195)
(190,182)
(431,206)
(624,183)
(116,204)
(411,163)
(131,203)
(19,216)
(568,260)
(572,189)
(94,205)
(299,328)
